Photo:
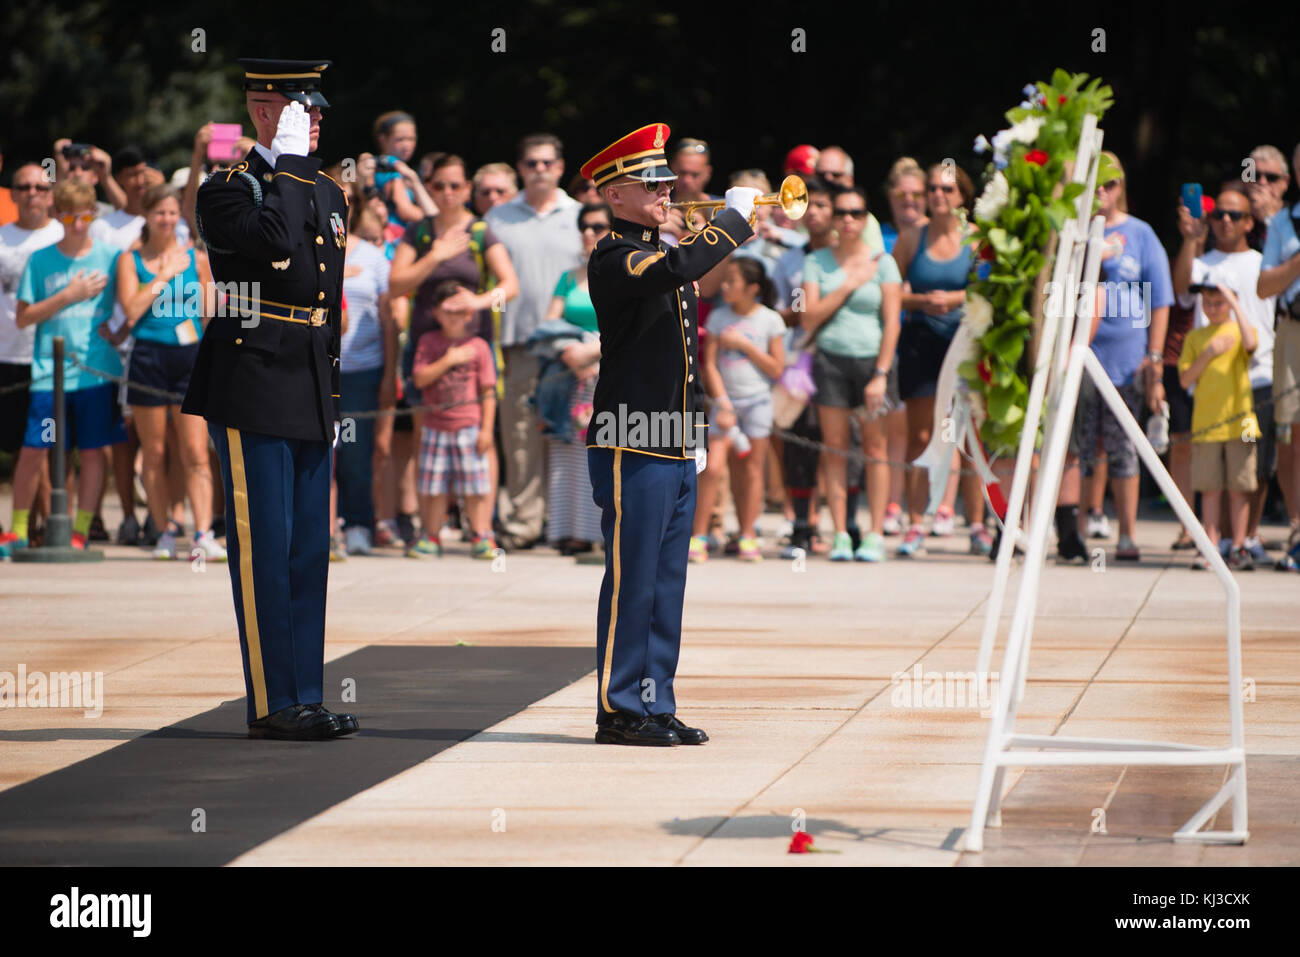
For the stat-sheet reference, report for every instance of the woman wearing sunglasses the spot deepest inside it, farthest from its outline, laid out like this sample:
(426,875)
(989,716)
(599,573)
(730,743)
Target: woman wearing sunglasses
(936,260)
(572,519)
(1133,301)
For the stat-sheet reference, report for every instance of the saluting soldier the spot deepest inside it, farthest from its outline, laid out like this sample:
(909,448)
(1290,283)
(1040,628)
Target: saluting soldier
(648,433)
(267,381)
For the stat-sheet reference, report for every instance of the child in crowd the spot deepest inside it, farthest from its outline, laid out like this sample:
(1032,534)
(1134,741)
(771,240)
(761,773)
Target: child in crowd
(65,291)
(456,373)
(743,354)
(1215,361)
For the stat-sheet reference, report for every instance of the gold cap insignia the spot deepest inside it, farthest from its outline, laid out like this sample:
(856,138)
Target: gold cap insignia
(659,136)
(280,265)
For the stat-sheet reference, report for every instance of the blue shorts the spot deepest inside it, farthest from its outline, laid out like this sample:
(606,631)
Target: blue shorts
(162,366)
(93,419)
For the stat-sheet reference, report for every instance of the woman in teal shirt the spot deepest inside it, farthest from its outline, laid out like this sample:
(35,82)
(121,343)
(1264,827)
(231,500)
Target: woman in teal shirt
(166,290)
(572,519)
(852,301)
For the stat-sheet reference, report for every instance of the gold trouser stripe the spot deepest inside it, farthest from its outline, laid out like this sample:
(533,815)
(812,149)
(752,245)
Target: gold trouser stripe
(613,601)
(239,484)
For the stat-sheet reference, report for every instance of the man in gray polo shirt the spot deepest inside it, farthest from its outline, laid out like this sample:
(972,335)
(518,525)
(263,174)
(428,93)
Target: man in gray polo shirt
(539,228)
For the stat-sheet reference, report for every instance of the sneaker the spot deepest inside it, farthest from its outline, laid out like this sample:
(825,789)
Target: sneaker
(944,522)
(749,550)
(357,540)
(425,547)
(1290,562)
(1127,550)
(842,548)
(913,543)
(128,533)
(149,533)
(386,534)
(893,523)
(485,547)
(872,549)
(800,544)
(784,531)
(1225,548)
(1257,552)
(1070,546)
(212,550)
(165,548)
(10,543)
(1098,525)
(79,541)
(699,550)
(338,553)
(97,531)
(981,542)
(855,536)
(406,527)
(732,547)
(1240,560)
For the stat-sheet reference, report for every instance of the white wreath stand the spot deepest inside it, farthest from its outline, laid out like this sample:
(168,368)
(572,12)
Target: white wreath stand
(1055,384)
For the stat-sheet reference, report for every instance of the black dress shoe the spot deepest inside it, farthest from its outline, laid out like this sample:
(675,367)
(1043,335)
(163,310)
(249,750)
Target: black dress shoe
(685,734)
(298,722)
(347,722)
(636,729)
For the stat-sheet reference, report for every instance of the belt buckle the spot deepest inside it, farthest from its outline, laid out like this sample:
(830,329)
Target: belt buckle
(318,316)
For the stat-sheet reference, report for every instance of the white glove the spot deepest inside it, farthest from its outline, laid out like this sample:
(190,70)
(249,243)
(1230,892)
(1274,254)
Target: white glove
(336,435)
(741,199)
(701,459)
(293,135)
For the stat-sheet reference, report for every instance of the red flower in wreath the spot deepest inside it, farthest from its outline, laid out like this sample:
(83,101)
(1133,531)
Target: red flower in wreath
(1061,99)
(1037,157)
(985,372)
(987,254)
(801,843)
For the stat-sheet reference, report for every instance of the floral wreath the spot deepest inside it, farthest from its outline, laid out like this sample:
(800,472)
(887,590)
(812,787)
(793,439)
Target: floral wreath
(1025,200)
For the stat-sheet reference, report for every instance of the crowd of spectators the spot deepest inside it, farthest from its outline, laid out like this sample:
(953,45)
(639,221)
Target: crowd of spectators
(471,351)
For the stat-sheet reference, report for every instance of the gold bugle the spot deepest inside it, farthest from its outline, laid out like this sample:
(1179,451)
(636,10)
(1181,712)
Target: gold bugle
(792,198)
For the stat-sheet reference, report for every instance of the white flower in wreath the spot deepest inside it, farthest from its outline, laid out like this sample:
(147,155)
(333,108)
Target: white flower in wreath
(981,144)
(994,198)
(978,316)
(1026,131)
(978,410)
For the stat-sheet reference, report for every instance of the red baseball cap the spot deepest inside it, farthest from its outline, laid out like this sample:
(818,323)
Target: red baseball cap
(802,160)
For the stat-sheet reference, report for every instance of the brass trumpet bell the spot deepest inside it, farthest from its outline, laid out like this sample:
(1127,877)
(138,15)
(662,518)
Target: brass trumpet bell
(792,198)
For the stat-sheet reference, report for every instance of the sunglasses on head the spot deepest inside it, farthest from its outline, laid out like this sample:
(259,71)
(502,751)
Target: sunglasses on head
(1236,215)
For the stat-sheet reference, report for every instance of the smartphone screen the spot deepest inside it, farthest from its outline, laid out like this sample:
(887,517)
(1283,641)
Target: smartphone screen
(1192,199)
(222,145)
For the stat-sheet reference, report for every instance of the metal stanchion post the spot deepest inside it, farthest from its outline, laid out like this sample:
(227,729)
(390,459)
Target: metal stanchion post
(58,526)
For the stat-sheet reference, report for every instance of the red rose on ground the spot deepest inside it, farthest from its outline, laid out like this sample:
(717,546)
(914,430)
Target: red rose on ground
(1037,157)
(801,842)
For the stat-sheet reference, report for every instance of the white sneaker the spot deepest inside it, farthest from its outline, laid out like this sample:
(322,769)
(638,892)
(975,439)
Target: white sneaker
(357,540)
(1098,526)
(165,550)
(210,547)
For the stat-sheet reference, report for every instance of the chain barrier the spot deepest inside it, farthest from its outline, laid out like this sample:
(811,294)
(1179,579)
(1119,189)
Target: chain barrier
(784,434)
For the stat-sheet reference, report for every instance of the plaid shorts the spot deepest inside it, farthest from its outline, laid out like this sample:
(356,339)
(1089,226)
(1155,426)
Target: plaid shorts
(450,463)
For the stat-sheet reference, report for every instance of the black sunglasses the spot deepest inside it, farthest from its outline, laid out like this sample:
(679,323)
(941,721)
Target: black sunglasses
(29,187)
(1236,215)
(597,228)
(1271,177)
(858,213)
